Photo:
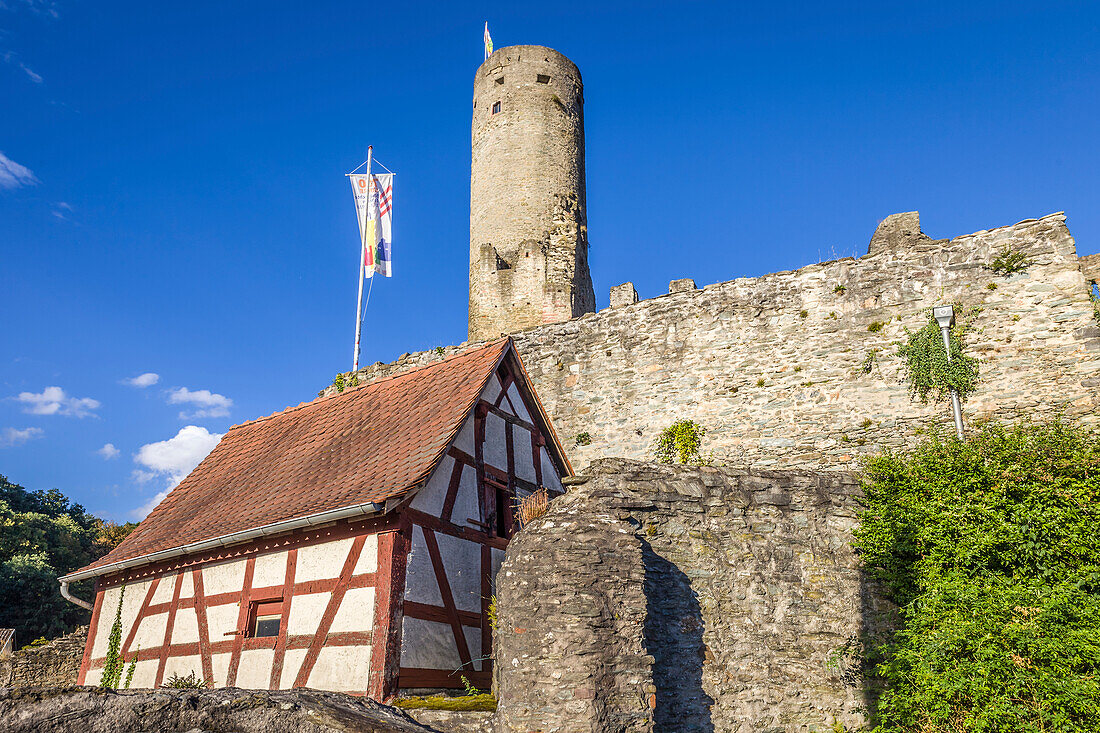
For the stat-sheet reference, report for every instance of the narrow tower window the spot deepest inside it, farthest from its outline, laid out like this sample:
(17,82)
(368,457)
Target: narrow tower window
(542,79)
(496,107)
(500,80)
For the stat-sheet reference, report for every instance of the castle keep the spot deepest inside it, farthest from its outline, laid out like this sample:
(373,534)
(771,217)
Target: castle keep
(528,227)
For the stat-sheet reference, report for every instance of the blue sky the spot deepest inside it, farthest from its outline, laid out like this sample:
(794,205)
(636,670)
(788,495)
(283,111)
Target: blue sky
(173,200)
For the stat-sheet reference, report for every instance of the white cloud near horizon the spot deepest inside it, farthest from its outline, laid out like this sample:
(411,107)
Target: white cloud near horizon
(208,404)
(13,175)
(11,437)
(108,451)
(172,459)
(143,380)
(54,401)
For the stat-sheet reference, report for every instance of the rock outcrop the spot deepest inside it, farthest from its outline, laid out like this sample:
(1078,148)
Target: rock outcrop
(93,710)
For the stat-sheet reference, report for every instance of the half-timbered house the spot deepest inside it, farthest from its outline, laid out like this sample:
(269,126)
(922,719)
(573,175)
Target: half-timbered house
(349,543)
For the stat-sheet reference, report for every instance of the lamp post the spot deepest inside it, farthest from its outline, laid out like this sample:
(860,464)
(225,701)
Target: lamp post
(945,318)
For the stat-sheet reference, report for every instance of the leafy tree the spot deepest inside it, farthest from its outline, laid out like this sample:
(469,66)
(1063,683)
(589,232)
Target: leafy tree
(44,535)
(991,548)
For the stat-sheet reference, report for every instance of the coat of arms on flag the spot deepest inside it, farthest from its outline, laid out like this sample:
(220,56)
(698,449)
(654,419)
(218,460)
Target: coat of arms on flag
(374,205)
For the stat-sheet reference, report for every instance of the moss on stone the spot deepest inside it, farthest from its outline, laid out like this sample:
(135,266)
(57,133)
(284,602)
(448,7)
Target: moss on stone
(486,702)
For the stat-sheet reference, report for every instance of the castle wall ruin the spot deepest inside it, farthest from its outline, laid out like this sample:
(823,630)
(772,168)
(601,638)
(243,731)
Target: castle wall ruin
(657,598)
(800,368)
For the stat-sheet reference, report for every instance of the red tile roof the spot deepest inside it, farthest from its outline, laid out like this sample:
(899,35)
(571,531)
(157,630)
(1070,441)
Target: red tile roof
(369,444)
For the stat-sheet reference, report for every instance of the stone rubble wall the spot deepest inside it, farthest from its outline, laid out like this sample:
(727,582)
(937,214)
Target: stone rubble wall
(726,600)
(773,367)
(55,664)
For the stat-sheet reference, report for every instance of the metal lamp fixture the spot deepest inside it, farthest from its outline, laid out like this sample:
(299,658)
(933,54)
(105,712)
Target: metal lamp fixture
(945,318)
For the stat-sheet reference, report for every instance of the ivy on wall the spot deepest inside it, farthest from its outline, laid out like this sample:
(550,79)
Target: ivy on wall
(929,372)
(680,443)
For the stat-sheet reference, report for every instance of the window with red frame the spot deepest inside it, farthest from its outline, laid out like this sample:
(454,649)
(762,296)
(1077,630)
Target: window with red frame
(265,618)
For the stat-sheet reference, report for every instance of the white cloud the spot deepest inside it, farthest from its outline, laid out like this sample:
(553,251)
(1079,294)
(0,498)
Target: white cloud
(142,477)
(143,380)
(35,77)
(59,210)
(174,458)
(54,401)
(10,437)
(13,175)
(108,451)
(209,404)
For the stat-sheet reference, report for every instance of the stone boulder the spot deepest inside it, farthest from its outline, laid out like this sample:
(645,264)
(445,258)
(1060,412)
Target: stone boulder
(93,710)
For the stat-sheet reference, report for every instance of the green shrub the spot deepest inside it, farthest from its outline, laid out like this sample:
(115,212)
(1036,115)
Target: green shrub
(582,439)
(991,548)
(926,365)
(680,442)
(190,682)
(1009,261)
(839,289)
(338,382)
(875,326)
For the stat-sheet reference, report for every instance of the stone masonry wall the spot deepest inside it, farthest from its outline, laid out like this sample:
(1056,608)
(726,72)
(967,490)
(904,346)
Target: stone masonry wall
(740,587)
(55,664)
(773,366)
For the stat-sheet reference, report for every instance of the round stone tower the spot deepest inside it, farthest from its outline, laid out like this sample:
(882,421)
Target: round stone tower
(528,226)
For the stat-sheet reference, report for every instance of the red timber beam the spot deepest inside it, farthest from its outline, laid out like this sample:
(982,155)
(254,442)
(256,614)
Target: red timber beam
(164,649)
(86,662)
(237,644)
(204,628)
(323,626)
(281,640)
(389,592)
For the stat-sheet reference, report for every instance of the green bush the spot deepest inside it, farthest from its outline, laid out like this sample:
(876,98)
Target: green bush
(926,364)
(190,682)
(991,549)
(680,442)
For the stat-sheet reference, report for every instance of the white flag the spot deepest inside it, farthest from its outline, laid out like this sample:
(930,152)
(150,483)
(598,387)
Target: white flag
(374,207)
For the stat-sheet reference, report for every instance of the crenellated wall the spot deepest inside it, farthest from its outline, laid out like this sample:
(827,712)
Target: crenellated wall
(773,366)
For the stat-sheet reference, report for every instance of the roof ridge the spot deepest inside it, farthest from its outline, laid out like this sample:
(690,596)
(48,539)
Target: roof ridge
(374,382)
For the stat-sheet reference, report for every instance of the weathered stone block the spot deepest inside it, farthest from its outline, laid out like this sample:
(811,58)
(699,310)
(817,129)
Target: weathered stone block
(624,294)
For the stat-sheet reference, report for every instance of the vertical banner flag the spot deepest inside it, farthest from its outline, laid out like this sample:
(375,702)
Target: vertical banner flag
(374,205)
(488,41)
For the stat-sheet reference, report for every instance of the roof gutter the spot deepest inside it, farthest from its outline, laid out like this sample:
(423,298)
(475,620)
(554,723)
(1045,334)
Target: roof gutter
(235,538)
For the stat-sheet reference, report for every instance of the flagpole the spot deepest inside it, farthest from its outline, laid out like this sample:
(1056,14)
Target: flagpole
(362,259)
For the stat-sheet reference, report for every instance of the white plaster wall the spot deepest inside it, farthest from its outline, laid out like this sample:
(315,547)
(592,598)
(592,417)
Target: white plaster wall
(185,628)
(524,455)
(150,632)
(473,641)
(430,498)
(368,558)
(342,668)
(269,570)
(517,401)
(222,619)
(326,560)
(132,600)
(164,590)
(356,612)
(466,506)
(462,561)
(420,582)
(224,577)
(145,675)
(181,666)
(219,663)
(428,644)
(492,389)
(292,662)
(550,478)
(495,450)
(465,440)
(254,670)
(306,612)
(187,585)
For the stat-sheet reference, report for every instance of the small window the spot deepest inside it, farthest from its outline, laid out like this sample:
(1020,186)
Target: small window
(496,107)
(542,79)
(500,80)
(266,618)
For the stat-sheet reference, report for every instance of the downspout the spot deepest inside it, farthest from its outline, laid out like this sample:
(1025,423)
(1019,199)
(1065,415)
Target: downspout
(70,597)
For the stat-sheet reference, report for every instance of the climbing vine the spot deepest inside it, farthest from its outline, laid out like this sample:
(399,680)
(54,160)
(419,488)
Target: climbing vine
(680,443)
(930,373)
